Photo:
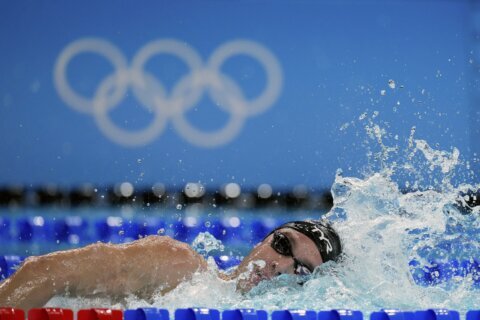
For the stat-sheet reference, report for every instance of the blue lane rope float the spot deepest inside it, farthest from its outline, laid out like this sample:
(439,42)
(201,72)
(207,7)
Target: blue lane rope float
(244,314)
(146,314)
(392,314)
(340,314)
(473,315)
(294,315)
(197,314)
(437,314)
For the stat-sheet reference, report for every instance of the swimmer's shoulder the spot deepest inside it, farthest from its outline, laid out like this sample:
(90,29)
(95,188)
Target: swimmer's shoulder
(159,241)
(149,244)
(168,247)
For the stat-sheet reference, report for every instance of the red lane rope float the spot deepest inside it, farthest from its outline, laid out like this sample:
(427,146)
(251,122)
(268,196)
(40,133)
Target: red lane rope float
(100,314)
(11,314)
(50,314)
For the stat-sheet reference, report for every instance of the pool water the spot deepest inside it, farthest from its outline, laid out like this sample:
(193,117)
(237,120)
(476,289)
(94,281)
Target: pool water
(410,242)
(383,231)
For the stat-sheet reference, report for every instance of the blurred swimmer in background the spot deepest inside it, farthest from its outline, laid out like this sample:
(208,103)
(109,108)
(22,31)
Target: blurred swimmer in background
(157,264)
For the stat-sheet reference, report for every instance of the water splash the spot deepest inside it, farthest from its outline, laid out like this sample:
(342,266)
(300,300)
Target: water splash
(393,235)
(205,243)
(404,216)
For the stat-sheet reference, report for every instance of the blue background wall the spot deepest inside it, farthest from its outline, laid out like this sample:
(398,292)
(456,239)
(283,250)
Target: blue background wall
(336,57)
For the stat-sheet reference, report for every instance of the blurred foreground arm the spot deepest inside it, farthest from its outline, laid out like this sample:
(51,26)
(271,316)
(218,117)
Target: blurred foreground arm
(140,267)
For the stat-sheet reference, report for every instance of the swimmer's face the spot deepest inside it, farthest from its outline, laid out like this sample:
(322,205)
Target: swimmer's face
(265,262)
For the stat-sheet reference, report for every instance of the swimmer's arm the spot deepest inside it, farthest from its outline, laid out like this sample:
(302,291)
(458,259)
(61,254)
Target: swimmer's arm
(140,267)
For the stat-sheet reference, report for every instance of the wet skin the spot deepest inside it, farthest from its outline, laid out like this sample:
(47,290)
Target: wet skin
(143,267)
(303,249)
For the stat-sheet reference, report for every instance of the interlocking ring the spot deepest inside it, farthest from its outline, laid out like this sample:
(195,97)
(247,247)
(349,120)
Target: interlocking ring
(152,94)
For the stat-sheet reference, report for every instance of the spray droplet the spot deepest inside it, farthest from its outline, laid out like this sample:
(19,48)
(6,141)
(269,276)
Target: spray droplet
(391,84)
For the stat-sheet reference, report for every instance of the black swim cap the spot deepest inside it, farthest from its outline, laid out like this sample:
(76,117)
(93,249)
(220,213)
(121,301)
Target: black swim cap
(322,234)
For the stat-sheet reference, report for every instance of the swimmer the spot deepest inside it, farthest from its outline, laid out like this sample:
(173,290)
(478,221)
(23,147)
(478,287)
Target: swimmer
(159,263)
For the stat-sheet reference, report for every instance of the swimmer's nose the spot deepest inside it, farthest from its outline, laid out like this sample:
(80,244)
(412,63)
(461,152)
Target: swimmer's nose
(281,267)
(275,269)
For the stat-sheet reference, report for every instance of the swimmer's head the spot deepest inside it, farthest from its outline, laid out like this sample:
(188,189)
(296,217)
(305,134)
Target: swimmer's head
(296,247)
(321,233)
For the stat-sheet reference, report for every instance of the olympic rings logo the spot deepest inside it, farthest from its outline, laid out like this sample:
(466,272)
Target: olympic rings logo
(152,95)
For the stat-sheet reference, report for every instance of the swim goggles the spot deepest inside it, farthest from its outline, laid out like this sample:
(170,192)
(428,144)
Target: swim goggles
(281,244)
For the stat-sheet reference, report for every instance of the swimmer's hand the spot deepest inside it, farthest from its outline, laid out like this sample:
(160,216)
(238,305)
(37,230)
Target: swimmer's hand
(141,267)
